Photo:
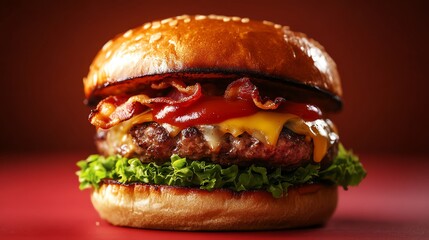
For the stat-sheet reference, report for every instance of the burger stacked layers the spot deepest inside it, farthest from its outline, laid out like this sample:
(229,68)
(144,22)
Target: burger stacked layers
(215,123)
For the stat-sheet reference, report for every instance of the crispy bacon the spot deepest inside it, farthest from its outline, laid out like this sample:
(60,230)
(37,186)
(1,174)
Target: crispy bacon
(181,95)
(245,90)
(115,109)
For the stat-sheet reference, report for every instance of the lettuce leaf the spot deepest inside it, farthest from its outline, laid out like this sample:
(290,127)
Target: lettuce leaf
(346,170)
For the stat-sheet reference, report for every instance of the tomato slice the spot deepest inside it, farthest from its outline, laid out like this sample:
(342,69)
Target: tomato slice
(208,110)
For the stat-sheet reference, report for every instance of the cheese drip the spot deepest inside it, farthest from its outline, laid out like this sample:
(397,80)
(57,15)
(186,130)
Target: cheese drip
(264,126)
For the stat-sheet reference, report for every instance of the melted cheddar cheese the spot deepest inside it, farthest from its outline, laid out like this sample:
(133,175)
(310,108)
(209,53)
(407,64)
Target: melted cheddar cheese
(266,127)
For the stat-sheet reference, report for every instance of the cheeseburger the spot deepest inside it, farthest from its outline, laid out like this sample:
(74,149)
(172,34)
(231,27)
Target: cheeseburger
(215,123)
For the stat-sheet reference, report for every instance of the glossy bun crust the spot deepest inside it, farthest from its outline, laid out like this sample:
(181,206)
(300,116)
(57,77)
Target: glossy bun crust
(175,208)
(211,47)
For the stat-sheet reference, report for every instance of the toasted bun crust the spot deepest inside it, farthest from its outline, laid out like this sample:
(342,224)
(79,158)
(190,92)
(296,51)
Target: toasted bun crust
(212,47)
(175,208)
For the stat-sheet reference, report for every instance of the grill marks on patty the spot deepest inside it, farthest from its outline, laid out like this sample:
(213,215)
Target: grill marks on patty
(156,145)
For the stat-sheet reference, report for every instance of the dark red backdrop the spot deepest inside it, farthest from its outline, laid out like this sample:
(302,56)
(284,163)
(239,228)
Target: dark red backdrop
(380,48)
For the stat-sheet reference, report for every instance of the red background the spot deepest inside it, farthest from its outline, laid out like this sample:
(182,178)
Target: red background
(381,50)
(46,47)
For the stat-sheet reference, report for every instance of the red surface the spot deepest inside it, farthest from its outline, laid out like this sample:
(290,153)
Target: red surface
(40,200)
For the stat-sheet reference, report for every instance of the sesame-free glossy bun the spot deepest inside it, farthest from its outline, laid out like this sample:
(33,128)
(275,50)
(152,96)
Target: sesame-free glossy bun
(178,208)
(199,48)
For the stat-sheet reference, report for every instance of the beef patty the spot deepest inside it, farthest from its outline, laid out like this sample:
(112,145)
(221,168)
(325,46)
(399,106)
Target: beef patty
(154,144)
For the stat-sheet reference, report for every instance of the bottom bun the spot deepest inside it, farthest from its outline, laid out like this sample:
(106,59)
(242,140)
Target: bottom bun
(178,208)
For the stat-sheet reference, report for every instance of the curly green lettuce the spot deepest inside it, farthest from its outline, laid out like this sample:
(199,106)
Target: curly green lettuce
(345,171)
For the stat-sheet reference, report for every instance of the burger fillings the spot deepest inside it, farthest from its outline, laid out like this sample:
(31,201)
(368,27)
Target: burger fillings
(173,124)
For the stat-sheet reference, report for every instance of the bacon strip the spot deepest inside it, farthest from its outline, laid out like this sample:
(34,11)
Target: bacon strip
(182,95)
(245,90)
(115,109)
